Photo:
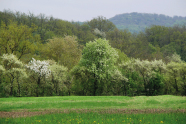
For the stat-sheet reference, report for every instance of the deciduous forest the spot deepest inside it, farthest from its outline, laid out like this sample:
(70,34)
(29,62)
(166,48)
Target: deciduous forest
(46,56)
(136,22)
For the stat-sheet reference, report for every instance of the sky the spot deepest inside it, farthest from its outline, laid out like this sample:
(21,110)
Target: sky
(85,10)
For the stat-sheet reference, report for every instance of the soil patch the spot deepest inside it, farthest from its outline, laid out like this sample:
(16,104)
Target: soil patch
(27,113)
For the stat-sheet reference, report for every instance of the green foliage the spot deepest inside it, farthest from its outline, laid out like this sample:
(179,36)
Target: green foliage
(46,78)
(155,85)
(174,58)
(122,57)
(161,51)
(13,75)
(169,49)
(99,33)
(183,78)
(83,83)
(118,38)
(18,39)
(156,34)
(98,66)
(176,77)
(98,56)
(102,24)
(169,40)
(144,76)
(58,77)
(65,51)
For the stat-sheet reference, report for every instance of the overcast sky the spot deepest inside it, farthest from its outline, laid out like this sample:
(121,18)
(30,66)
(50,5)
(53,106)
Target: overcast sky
(85,10)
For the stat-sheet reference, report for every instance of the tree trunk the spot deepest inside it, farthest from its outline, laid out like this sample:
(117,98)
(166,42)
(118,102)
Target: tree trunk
(19,89)
(176,86)
(95,85)
(38,85)
(11,87)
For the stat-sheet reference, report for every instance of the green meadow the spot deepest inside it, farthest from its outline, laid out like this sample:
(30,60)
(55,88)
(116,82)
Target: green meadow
(93,102)
(94,109)
(96,118)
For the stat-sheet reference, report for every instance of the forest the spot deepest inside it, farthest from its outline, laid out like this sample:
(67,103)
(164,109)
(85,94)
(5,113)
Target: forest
(45,56)
(136,22)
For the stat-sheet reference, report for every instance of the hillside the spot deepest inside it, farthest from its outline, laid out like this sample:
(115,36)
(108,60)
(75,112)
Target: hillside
(44,56)
(136,22)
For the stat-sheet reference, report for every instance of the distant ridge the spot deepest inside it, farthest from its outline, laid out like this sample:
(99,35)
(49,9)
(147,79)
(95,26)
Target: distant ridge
(136,22)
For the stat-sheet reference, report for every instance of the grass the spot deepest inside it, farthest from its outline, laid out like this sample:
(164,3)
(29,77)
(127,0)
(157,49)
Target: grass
(96,118)
(92,102)
(94,110)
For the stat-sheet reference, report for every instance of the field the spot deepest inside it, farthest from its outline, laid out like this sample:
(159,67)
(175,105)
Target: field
(94,109)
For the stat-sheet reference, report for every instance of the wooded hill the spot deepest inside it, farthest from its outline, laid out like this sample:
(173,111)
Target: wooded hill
(44,56)
(136,22)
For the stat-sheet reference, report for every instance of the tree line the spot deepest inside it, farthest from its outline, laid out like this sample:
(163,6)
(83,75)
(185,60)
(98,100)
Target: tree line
(43,56)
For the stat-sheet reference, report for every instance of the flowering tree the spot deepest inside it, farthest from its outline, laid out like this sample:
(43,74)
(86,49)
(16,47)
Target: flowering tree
(99,33)
(183,77)
(98,61)
(47,75)
(174,58)
(39,67)
(176,77)
(149,71)
(58,77)
(39,72)
(13,73)
(173,74)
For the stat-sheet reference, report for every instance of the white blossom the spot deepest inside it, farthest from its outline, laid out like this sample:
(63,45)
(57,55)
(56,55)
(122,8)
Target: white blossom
(174,58)
(2,68)
(11,59)
(100,33)
(158,65)
(39,67)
